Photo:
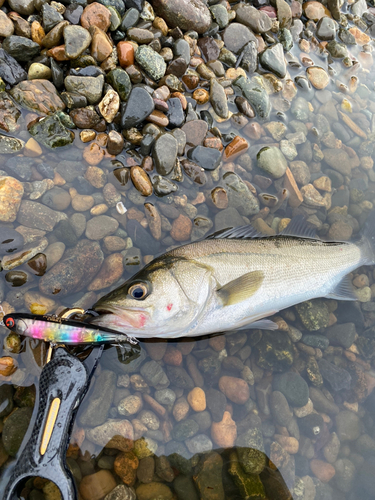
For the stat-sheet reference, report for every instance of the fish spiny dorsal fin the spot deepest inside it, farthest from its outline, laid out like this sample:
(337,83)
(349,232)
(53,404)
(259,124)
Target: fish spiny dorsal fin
(299,228)
(241,288)
(239,232)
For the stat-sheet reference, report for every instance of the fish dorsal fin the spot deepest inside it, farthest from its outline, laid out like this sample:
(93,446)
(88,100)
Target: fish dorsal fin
(241,288)
(239,232)
(299,227)
(343,291)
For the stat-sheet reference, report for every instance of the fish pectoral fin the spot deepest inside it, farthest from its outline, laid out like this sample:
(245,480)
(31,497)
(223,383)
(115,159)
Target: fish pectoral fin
(343,291)
(264,324)
(241,288)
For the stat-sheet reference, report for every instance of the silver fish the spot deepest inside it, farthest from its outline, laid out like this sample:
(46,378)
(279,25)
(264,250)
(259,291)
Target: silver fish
(234,279)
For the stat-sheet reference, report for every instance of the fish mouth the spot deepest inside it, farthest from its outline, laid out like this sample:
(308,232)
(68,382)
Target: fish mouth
(119,319)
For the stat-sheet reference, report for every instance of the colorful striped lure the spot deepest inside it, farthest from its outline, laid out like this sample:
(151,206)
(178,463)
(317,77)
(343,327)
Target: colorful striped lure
(59,330)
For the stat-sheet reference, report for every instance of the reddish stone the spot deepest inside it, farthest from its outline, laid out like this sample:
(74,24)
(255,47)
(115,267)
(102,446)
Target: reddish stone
(236,147)
(125,52)
(172,356)
(58,53)
(96,14)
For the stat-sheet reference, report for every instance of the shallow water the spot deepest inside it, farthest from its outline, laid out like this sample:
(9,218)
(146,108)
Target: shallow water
(282,414)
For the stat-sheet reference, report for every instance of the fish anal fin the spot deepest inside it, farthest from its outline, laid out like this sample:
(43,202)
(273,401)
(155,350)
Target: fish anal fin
(241,288)
(299,227)
(343,291)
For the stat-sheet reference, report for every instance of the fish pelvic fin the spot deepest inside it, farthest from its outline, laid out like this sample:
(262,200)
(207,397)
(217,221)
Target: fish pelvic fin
(343,291)
(241,288)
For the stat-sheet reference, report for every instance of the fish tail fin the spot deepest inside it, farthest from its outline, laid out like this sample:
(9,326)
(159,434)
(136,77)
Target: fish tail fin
(368,239)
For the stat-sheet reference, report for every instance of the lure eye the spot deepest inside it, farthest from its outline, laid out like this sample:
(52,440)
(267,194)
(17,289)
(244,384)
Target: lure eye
(138,291)
(9,323)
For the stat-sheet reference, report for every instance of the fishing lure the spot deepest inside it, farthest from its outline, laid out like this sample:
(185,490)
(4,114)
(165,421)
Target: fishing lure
(59,330)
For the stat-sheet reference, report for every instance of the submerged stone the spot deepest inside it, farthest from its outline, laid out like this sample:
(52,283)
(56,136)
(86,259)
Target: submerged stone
(256,95)
(50,132)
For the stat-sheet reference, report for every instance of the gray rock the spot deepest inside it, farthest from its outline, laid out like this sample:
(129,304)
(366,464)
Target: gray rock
(165,153)
(21,48)
(294,388)
(239,195)
(154,375)
(137,108)
(100,400)
(185,429)
(322,403)
(10,71)
(345,474)
(180,377)
(255,19)
(121,492)
(216,403)
(101,226)
(272,59)
(348,426)
(272,161)
(200,443)
(50,17)
(151,62)
(342,334)
(185,489)
(24,7)
(218,99)
(185,14)
(10,145)
(15,428)
(76,39)
(37,216)
(236,36)
(51,133)
(255,94)
(165,396)
(88,86)
(220,14)
(228,218)
(336,376)
(280,408)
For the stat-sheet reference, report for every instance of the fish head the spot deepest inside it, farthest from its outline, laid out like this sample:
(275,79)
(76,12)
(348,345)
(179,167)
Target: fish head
(163,299)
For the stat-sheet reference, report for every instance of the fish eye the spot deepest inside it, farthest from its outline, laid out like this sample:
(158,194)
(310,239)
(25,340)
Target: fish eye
(138,291)
(9,323)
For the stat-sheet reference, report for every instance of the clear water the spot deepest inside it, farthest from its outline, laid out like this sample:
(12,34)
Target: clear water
(308,465)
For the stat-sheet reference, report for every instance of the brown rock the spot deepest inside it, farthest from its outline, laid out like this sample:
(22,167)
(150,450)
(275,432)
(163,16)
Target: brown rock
(97,486)
(115,143)
(95,14)
(197,399)
(224,433)
(172,356)
(201,96)
(184,14)
(318,77)
(58,53)
(194,171)
(93,154)
(8,365)
(75,271)
(235,389)
(219,197)
(125,466)
(38,95)
(159,118)
(37,32)
(340,231)
(290,444)
(295,196)
(360,37)
(125,52)
(141,180)
(235,148)
(195,131)
(322,470)
(101,47)
(154,220)
(9,113)
(117,434)
(181,228)
(96,177)
(180,409)
(110,272)
(315,10)
(110,105)
(11,192)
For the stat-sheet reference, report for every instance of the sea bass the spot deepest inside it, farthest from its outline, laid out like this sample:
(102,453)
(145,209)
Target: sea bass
(234,279)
